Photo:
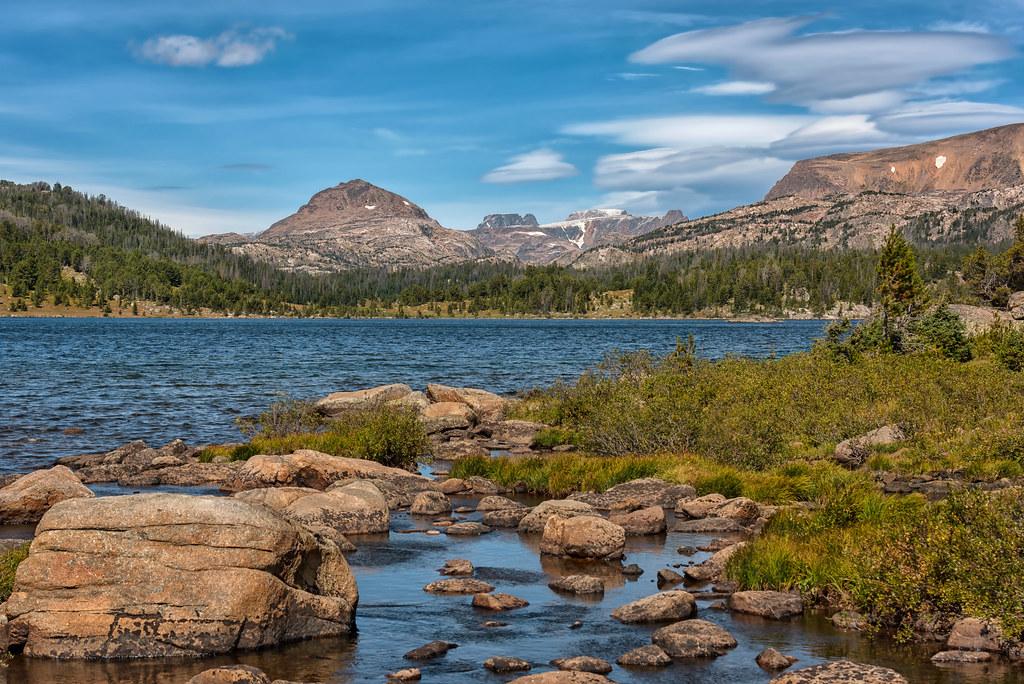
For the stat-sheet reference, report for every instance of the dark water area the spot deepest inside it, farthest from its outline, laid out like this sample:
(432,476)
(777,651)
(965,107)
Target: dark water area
(395,615)
(163,379)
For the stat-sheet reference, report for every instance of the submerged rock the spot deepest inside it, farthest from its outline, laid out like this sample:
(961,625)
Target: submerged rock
(155,575)
(694,639)
(26,499)
(840,672)
(583,537)
(962,657)
(434,649)
(665,606)
(645,656)
(775,605)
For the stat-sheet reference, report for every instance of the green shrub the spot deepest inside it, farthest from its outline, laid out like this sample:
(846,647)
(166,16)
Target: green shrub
(549,438)
(9,562)
(727,484)
(286,416)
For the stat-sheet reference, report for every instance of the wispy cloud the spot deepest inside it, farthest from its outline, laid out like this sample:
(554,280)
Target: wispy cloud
(736,88)
(632,76)
(253,167)
(538,165)
(233,48)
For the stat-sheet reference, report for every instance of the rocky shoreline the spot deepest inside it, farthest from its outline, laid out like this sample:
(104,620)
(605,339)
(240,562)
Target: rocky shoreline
(170,574)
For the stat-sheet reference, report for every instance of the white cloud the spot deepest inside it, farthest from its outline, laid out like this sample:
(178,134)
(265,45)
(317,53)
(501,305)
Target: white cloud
(947,117)
(538,165)
(632,76)
(816,66)
(229,49)
(736,88)
(960,27)
(694,131)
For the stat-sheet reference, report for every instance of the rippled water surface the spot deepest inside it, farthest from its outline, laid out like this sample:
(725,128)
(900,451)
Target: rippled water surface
(161,379)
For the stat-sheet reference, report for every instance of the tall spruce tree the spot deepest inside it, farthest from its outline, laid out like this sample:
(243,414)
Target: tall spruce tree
(900,290)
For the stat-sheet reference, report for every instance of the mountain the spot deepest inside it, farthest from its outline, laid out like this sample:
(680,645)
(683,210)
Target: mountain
(355,225)
(983,160)
(515,236)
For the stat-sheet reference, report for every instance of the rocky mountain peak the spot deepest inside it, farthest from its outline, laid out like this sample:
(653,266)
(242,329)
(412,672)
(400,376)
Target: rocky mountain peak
(500,221)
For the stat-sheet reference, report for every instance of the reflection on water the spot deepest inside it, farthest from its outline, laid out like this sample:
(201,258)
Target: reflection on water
(395,615)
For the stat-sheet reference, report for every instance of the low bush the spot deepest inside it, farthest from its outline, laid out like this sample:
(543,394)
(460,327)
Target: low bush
(9,562)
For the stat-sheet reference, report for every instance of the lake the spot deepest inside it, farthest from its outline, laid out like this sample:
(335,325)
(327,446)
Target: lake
(161,379)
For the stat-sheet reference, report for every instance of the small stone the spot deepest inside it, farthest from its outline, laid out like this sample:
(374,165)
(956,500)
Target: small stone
(432,650)
(686,550)
(498,602)
(632,570)
(576,625)
(457,566)
(505,664)
(458,586)
(578,584)
(773,661)
(490,624)
(668,577)
(464,509)
(583,664)
(962,657)
(467,529)
(645,656)
(433,533)
(409,674)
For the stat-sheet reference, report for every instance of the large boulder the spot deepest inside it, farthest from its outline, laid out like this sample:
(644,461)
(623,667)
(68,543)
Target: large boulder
(972,634)
(694,639)
(338,403)
(155,575)
(447,415)
(26,499)
(586,536)
(642,493)
(854,451)
(775,605)
(486,405)
(699,507)
(537,519)
(665,606)
(740,509)
(645,521)
(841,672)
(308,468)
(356,507)
(430,503)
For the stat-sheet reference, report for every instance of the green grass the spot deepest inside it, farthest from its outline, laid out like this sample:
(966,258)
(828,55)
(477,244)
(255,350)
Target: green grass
(9,562)
(386,434)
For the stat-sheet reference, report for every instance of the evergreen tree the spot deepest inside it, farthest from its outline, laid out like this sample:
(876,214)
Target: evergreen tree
(900,287)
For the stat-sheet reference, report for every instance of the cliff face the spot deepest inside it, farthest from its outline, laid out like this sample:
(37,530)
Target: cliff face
(988,159)
(357,224)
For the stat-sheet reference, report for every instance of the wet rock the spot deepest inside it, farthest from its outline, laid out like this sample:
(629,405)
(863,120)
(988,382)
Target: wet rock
(578,584)
(226,575)
(711,526)
(491,624)
(775,605)
(231,674)
(503,664)
(562,677)
(632,570)
(714,567)
(971,634)
(506,517)
(583,537)
(430,503)
(694,639)
(642,493)
(462,585)
(356,507)
(645,521)
(668,577)
(308,468)
(338,403)
(454,486)
(535,521)
(576,625)
(467,529)
(699,507)
(773,661)
(962,657)
(498,602)
(665,606)
(516,432)
(447,415)
(409,674)
(854,451)
(583,664)
(457,566)
(497,503)
(686,550)
(26,499)
(645,656)
(849,620)
(840,672)
(434,649)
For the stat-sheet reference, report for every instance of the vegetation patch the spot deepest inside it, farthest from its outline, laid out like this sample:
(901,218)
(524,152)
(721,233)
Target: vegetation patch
(9,562)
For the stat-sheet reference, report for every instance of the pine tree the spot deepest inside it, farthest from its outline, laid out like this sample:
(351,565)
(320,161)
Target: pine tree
(900,288)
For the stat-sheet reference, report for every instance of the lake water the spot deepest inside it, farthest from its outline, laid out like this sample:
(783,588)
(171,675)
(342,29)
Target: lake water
(161,379)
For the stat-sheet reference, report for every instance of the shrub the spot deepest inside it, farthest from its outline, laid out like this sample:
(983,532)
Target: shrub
(285,416)
(9,562)
(552,437)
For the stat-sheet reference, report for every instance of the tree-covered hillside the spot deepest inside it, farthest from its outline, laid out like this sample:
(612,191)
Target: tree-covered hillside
(63,247)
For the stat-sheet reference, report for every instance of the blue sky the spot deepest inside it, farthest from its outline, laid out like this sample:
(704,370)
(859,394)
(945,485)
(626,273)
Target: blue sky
(220,116)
